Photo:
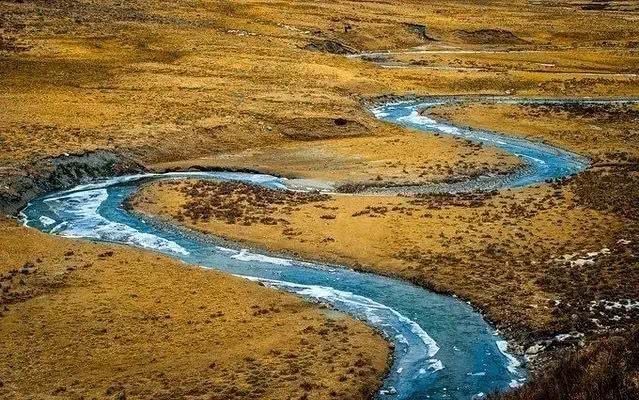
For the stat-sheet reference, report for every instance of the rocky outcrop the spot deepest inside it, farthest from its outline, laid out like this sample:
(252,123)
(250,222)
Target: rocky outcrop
(490,36)
(19,185)
(421,31)
(329,46)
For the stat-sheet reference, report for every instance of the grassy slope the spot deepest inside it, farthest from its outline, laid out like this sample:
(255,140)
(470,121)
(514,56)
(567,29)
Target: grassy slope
(146,77)
(80,320)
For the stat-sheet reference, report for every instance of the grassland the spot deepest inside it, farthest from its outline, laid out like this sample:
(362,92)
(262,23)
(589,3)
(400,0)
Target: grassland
(604,133)
(226,77)
(554,261)
(80,320)
(515,254)
(255,84)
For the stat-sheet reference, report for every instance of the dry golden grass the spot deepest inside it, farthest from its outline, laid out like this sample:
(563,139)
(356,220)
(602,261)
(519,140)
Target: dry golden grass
(587,61)
(605,133)
(396,158)
(172,82)
(80,320)
(491,253)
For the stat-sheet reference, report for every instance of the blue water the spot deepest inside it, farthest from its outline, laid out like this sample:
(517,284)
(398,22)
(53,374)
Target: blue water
(540,162)
(444,349)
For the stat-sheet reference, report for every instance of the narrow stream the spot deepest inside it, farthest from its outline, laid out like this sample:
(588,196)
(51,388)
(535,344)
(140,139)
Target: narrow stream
(541,162)
(444,349)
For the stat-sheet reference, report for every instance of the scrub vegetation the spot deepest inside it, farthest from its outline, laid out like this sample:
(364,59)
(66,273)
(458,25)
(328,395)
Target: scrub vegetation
(540,261)
(605,369)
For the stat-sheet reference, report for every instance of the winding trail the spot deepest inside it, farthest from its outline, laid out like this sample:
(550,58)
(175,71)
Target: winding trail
(443,347)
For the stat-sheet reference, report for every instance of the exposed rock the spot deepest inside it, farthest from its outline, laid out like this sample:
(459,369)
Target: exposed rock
(18,186)
(420,30)
(316,128)
(596,5)
(329,46)
(535,349)
(490,36)
(340,121)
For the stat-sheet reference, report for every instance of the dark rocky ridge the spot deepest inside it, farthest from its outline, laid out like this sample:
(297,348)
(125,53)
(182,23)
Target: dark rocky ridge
(330,46)
(421,31)
(490,36)
(19,185)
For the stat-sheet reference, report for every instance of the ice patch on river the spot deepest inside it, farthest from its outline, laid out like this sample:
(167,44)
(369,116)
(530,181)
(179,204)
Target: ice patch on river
(46,221)
(513,363)
(416,118)
(81,208)
(245,255)
(376,313)
(258,179)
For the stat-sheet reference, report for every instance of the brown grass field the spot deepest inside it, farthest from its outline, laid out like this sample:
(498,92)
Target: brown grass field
(270,86)
(80,320)
(513,254)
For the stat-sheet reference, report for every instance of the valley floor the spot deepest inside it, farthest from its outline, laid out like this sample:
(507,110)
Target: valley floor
(282,87)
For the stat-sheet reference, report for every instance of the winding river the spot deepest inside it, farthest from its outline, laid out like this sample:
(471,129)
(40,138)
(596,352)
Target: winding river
(444,349)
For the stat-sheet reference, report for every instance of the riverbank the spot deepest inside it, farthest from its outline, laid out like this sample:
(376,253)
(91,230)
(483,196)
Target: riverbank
(606,133)
(99,320)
